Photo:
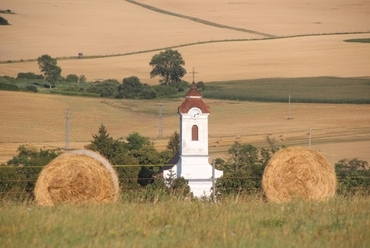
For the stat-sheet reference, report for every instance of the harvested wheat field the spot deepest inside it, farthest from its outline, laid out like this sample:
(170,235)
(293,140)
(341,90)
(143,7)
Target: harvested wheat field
(223,40)
(66,28)
(338,130)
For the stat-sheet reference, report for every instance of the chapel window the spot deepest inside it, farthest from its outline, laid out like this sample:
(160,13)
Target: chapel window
(194,132)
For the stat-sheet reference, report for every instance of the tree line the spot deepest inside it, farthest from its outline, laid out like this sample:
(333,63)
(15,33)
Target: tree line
(167,65)
(139,162)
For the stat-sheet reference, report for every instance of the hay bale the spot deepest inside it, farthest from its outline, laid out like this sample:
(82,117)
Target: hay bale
(297,172)
(76,177)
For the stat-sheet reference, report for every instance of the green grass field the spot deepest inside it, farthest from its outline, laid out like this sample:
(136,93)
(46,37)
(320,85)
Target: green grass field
(306,90)
(363,40)
(234,222)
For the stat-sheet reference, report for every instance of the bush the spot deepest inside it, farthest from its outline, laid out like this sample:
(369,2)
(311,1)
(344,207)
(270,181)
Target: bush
(31,88)
(107,88)
(72,78)
(165,90)
(20,177)
(132,88)
(9,87)
(353,177)
(29,75)
(3,21)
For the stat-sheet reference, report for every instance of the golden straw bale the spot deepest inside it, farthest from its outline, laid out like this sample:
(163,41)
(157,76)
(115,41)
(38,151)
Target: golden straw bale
(297,172)
(76,177)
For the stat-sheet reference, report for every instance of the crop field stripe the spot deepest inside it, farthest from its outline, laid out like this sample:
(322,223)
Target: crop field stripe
(199,20)
(305,90)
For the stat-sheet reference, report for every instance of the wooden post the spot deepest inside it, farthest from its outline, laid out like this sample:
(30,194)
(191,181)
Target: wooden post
(213,182)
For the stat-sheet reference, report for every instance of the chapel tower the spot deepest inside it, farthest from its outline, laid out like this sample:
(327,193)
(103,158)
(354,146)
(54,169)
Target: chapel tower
(192,160)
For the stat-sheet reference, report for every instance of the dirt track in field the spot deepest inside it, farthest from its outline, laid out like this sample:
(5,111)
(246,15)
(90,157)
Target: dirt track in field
(65,28)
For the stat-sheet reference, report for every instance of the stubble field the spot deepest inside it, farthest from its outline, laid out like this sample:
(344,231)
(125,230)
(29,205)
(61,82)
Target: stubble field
(274,39)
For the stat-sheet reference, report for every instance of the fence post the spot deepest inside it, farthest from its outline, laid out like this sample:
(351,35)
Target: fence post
(213,182)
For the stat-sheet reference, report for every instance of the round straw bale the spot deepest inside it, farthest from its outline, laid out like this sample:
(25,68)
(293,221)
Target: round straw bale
(297,172)
(76,177)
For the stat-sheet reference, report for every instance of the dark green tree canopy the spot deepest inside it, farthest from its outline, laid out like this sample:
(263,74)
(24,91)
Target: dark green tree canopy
(132,88)
(168,66)
(174,143)
(49,68)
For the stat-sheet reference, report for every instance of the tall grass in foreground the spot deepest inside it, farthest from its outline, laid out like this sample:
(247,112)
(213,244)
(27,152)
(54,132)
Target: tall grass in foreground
(233,222)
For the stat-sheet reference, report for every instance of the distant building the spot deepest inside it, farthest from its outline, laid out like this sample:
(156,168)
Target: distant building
(192,161)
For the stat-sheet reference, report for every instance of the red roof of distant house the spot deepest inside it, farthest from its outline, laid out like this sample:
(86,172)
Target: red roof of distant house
(193,99)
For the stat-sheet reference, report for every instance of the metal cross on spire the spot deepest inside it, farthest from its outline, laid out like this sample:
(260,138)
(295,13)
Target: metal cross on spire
(193,72)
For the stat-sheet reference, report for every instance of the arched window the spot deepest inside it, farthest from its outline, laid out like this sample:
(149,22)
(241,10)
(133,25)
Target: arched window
(194,132)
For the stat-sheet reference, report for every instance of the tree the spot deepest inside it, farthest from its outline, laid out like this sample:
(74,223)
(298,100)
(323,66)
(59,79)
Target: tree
(201,86)
(174,143)
(27,164)
(117,152)
(82,79)
(72,78)
(49,68)
(168,66)
(244,168)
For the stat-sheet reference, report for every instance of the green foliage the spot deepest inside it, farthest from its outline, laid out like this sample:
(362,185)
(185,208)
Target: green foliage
(72,78)
(82,79)
(31,88)
(21,175)
(8,87)
(309,90)
(29,75)
(201,86)
(177,185)
(132,88)
(168,66)
(360,40)
(174,143)
(107,88)
(165,90)
(353,177)
(138,150)
(3,21)
(244,168)
(116,152)
(49,68)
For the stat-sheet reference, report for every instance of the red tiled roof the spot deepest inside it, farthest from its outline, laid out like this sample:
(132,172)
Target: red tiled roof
(193,91)
(193,99)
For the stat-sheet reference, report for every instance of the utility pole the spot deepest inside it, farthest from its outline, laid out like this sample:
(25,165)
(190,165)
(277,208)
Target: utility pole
(67,129)
(309,137)
(160,119)
(289,109)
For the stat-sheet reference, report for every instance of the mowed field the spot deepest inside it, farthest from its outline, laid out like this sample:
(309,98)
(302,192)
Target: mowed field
(338,130)
(281,38)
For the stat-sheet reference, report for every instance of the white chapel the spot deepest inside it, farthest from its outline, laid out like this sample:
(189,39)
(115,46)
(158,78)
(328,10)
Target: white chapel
(192,161)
